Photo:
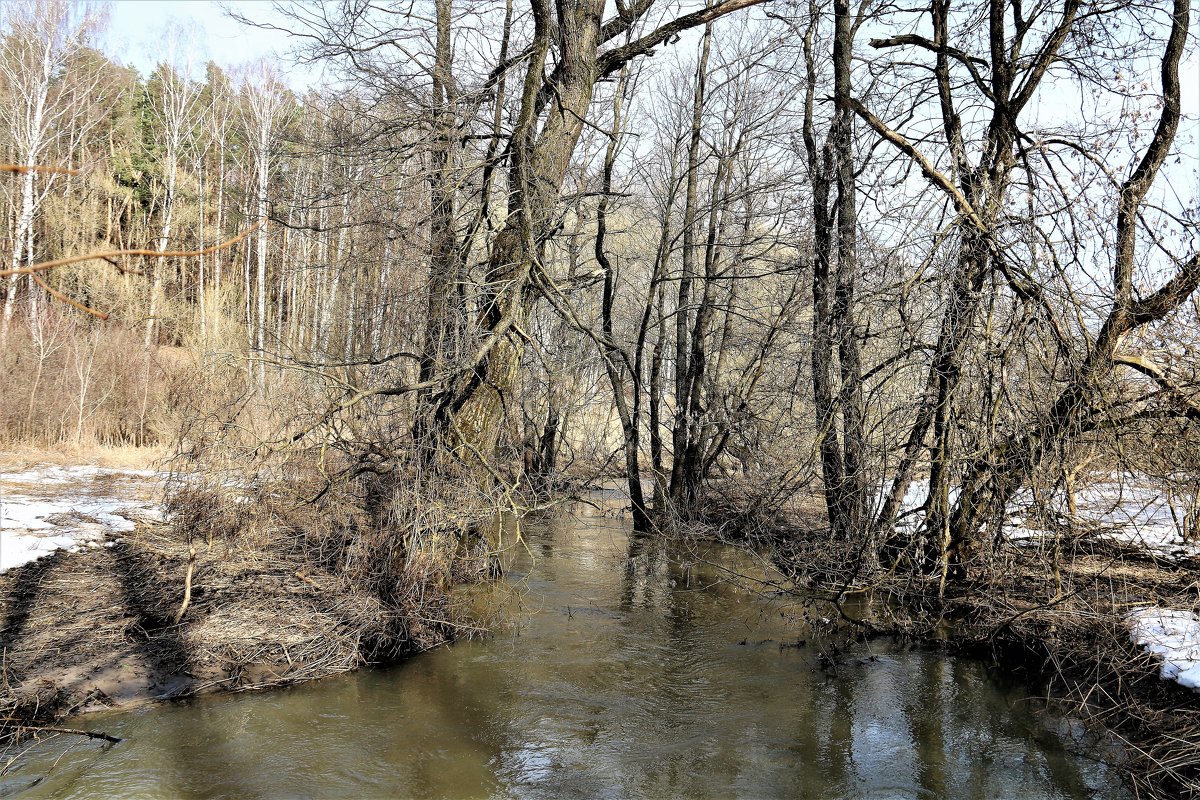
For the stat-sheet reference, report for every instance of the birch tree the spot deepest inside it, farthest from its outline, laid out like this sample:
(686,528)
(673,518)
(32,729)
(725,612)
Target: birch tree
(41,37)
(173,96)
(263,104)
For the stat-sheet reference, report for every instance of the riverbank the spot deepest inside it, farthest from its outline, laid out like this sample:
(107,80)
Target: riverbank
(96,628)
(90,605)
(1059,611)
(618,664)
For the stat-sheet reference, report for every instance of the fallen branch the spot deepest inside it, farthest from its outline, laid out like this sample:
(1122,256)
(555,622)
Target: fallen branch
(74,732)
(187,585)
(307,580)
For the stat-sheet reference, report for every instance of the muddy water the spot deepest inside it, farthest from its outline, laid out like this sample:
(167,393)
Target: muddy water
(618,670)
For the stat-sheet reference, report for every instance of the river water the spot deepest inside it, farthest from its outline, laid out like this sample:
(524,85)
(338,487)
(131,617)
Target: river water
(618,669)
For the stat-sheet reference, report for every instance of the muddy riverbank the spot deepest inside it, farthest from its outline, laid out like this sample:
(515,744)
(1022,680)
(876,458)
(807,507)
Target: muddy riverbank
(96,628)
(616,667)
(89,610)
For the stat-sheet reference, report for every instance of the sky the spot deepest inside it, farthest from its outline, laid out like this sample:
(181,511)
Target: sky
(137,34)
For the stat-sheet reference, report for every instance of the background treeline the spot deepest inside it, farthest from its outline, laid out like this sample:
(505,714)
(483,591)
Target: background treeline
(182,159)
(901,278)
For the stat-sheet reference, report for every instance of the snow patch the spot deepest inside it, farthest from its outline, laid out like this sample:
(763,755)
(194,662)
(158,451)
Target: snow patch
(16,550)
(70,508)
(1135,513)
(1125,508)
(1172,635)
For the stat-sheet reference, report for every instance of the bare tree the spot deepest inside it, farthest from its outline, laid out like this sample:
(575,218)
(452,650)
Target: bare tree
(173,101)
(44,36)
(982,164)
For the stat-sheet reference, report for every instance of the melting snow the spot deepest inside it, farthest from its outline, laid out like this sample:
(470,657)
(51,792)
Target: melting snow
(68,508)
(1135,513)
(1124,508)
(1172,635)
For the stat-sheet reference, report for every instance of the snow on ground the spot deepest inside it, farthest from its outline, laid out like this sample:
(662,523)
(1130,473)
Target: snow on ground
(1134,512)
(44,509)
(1173,636)
(1122,508)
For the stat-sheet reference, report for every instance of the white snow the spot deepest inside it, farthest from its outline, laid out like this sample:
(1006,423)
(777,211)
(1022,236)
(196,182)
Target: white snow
(1134,512)
(70,508)
(1172,635)
(1123,508)
(51,475)
(16,549)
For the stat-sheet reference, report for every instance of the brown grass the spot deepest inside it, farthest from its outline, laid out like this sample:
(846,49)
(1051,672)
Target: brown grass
(281,593)
(22,456)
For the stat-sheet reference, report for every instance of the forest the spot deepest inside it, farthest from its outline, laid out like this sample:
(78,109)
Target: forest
(899,298)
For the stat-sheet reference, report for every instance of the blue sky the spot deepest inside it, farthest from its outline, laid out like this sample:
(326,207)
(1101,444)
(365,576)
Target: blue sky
(137,33)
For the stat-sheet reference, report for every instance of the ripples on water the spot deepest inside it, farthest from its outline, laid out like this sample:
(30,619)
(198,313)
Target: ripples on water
(618,671)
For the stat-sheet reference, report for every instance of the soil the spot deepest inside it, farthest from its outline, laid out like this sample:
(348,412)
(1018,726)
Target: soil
(273,600)
(91,630)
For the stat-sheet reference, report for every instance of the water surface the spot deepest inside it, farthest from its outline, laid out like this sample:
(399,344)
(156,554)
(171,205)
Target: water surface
(620,669)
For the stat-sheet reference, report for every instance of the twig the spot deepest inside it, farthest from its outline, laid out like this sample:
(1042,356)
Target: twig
(74,732)
(108,256)
(69,301)
(308,580)
(187,585)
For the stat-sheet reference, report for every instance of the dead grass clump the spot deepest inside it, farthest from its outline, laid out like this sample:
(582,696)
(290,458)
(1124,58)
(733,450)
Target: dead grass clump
(386,535)
(1104,679)
(1064,625)
(1053,609)
(277,591)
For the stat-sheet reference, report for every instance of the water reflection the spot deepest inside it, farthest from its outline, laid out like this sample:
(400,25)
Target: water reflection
(627,669)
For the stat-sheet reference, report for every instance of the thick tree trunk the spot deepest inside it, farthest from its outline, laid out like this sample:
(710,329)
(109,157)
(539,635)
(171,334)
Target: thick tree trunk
(682,488)
(853,499)
(474,411)
(443,314)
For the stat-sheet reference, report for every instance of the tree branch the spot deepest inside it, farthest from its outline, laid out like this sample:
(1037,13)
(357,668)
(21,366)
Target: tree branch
(108,256)
(611,61)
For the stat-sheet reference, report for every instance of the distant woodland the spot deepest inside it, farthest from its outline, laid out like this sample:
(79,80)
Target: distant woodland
(749,255)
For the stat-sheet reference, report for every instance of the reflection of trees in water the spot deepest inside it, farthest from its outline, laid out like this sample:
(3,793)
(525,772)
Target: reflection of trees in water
(646,693)
(915,722)
(643,581)
(925,713)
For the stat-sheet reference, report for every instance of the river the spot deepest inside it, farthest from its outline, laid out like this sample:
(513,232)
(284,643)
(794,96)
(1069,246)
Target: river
(616,670)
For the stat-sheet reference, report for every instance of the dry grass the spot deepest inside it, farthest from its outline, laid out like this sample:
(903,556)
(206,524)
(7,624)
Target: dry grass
(281,593)
(22,456)
(97,628)
(1071,634)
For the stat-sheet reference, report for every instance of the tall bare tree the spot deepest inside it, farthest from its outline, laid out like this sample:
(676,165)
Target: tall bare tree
(43,37)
